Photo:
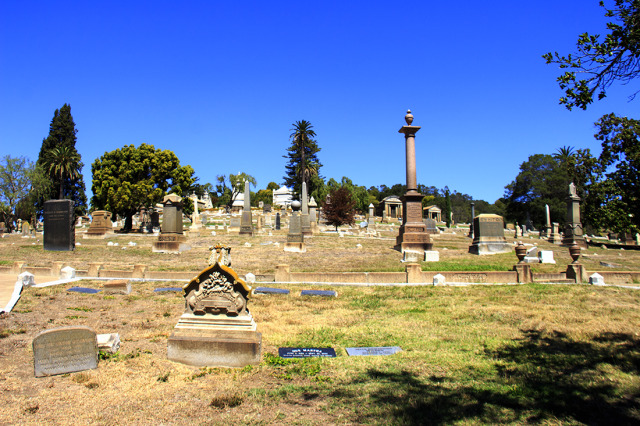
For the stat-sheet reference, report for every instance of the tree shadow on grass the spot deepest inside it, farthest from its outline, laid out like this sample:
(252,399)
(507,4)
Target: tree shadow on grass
(541,377)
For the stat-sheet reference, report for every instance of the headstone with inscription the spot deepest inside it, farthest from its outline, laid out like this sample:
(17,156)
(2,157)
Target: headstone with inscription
(277,221)
(489,235)
(573,232)
(171,238)
(307,352)
(59,230)
(295,238)
(64,350)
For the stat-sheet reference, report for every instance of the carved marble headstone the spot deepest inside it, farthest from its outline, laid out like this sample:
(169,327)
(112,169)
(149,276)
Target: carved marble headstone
(59,230)
(64,350)
(246,227)
(216,328)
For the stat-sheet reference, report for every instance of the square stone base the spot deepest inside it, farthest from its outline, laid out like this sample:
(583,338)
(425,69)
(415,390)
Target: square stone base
(484,248)
(215,341)
(215,348)
(295,247)
(172,243)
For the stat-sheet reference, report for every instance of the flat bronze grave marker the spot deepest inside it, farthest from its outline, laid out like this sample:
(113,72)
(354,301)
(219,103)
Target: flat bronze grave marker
(64,350)
(374,351)
(306,352)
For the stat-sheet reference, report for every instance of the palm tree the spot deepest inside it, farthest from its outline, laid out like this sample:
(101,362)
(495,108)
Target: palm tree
(302,134)
(563,154)
(63,162)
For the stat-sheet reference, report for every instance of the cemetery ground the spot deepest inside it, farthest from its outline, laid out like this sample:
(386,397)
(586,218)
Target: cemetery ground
(476,354)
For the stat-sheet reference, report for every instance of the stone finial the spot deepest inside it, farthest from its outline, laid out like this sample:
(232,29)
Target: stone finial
(409,117)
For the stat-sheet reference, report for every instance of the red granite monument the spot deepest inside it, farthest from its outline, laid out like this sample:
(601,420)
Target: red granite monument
(413,239)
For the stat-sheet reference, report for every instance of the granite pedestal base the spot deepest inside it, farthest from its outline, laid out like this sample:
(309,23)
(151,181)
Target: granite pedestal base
(295,247)
(490,247)
(222,341)
(170,244)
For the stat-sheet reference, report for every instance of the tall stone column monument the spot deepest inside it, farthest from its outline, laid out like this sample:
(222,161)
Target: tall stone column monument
(573,232)
(246,225)
(304,214)
(412,240)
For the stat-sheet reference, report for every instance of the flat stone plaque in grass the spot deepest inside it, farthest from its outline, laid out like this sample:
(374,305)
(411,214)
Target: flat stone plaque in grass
(269,290)
(375,351)
(306,352)
(64,350)
(158,290)
(324,293)
(84,290)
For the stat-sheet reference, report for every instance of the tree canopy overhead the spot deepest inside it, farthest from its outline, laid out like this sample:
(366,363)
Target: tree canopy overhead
(303,163)
(128,178)
(61,161)
(599,62)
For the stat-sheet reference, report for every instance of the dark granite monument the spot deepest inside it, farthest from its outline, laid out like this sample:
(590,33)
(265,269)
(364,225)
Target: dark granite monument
(59,227)
(573,232)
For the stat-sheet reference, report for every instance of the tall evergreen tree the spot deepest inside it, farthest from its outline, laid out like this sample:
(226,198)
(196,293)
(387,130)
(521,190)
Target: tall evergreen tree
(303,161)
(62,139)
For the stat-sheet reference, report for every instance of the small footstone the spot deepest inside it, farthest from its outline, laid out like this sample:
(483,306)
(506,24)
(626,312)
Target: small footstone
(325,293)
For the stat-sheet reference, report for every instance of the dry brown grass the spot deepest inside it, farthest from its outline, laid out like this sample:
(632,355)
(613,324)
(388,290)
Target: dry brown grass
(477,345)
(324,253)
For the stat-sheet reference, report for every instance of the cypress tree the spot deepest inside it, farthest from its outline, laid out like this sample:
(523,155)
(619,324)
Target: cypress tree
(62,133)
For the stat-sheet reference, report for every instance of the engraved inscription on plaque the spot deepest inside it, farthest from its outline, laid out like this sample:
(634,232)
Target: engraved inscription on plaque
(414,212)
(59,233)
(64,350)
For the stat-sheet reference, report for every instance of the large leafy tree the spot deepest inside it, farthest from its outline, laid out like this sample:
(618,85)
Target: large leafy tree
(599,62)
(61,142)
(131,177)
(303,162)
(338,209)
(20,183)
(229,187)
(617,195)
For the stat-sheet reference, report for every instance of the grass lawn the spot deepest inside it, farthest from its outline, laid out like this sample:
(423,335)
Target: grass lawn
(481,354)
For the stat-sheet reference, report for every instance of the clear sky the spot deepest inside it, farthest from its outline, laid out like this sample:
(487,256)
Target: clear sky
(220,84)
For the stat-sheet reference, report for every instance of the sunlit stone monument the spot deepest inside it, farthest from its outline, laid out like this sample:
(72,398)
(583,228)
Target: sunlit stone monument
(295,238)
(100,225)
(573,232)
(171,238)
(305,225)
(246,225)
(216,328)
(488,231)
(412,240)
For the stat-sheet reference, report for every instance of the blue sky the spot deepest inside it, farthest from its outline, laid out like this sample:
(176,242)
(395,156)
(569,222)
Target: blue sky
(220,84)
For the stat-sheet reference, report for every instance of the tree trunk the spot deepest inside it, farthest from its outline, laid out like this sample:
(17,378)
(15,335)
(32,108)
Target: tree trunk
(128,222)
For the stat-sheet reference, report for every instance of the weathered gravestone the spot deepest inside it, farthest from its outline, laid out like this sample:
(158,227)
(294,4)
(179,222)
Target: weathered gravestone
(64,350)
(59,231)
(100,225)
(573,232)
(489,237)
(216,328)
(295,239)
(374,351)
(432,228)
(171,238)
(277,221)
